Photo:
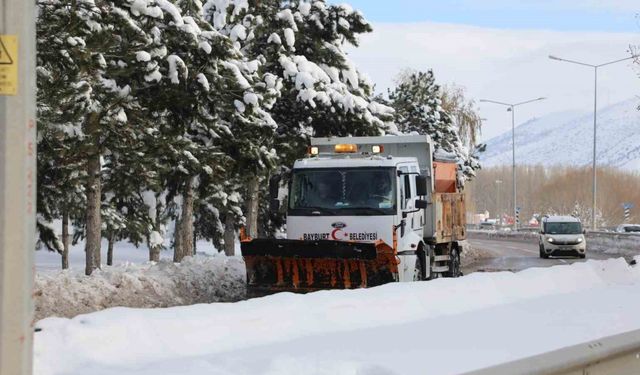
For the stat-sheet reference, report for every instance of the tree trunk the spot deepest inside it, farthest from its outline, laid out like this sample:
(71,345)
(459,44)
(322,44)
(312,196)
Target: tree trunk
(194,243)
(252,207)
(154,251)
(177,239)
(65,240)
(93,235)
(229,236)
(110,249)
(184,229)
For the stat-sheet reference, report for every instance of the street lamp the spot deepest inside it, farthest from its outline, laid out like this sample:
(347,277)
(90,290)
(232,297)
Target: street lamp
(498,207)
(512,107)
(595,111)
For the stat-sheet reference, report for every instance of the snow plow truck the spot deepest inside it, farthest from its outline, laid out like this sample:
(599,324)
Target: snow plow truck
(361,212)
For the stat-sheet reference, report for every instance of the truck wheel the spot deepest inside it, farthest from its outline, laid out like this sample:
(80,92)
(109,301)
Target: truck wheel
(419,273)
(454,263)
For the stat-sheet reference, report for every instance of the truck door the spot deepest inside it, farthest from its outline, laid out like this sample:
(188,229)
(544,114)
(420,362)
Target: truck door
(415,220)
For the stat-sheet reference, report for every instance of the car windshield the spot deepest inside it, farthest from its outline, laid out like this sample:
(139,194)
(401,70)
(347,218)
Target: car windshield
(563,228)
(346,191)
(632,228)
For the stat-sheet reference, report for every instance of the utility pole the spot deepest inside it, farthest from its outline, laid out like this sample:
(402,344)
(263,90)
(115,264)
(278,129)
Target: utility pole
(511,107)
(594,185)
(498,206)
(17,184)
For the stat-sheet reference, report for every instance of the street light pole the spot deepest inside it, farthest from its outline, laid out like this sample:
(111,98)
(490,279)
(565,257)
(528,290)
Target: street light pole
(595,121)
(498,206)
(512,108)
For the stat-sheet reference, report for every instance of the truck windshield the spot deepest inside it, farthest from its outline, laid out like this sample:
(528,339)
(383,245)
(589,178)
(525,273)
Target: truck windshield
(563,228)
(346,191)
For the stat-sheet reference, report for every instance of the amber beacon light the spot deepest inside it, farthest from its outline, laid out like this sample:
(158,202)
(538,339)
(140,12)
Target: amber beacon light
(346,148)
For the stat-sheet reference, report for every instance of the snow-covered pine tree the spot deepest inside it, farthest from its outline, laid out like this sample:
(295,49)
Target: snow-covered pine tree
(467,120)
(60,190)
(92,46)
(206,92)
(301,49)
(418,108)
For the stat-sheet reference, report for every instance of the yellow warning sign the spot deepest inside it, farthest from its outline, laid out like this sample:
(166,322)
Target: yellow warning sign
(8,64)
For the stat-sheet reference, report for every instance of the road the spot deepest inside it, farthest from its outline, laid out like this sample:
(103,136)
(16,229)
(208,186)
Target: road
(509,255)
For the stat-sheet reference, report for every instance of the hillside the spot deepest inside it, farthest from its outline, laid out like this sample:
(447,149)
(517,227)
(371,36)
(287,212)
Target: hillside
(566,138)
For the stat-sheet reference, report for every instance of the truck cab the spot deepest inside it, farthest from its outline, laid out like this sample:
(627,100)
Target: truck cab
(364,199)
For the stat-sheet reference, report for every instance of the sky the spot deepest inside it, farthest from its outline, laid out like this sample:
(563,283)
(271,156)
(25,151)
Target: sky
(567,15)
(499,51)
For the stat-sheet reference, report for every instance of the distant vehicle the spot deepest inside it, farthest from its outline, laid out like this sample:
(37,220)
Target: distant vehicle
(487,225)
(561,235)
(628,228)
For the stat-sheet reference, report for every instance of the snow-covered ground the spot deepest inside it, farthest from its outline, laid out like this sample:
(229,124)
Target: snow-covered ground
(200,279)
(443,326)
(124,253)
(134,282)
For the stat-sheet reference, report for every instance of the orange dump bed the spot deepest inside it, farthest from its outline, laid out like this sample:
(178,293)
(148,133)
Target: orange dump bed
(445,177)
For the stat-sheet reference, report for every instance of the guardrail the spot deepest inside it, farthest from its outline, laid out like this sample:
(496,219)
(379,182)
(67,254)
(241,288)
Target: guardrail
(617,354)
(614,243)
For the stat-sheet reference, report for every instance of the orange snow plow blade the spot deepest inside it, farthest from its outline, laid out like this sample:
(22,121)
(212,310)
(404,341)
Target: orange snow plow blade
(302,266)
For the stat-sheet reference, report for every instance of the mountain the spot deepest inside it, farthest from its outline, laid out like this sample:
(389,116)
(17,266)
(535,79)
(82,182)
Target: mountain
(566,138)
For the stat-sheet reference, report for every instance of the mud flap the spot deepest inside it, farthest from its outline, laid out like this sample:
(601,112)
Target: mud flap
(301,266)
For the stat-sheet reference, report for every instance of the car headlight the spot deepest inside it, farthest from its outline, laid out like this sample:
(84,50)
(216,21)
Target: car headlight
(550,239)
(579,240)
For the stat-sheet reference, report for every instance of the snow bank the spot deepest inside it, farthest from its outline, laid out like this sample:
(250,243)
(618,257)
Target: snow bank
(200,279)
(401,328)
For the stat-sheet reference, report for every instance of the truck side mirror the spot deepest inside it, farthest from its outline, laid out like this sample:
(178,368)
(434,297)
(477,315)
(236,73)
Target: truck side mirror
(421,204)
(274,186)
(274,205)
(421,186)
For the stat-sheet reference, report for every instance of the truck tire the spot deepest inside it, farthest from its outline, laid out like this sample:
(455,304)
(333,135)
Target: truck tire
(419,273)
(454,263)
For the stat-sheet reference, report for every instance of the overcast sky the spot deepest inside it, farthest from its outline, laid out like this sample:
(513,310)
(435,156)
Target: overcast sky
(500,50)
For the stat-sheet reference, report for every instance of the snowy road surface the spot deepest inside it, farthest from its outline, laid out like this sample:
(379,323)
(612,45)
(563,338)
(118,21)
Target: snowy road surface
(509,255)
(445,326)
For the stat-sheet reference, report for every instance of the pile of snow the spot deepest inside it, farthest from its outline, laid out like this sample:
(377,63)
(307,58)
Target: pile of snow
(443,326)
(199,279)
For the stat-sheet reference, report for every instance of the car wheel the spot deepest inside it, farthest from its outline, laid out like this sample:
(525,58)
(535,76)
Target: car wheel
(582,256)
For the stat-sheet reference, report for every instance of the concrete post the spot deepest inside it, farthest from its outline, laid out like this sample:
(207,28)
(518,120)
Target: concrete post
(17,185)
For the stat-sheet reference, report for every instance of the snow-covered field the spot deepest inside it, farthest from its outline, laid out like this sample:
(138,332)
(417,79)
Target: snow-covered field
(443,326)
(566,139)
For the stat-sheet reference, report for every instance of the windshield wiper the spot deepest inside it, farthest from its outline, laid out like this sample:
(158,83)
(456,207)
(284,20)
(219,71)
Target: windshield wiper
(318,209)
(374,209)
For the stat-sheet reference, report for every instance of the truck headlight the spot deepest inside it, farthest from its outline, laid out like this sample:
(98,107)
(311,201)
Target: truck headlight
(550,239)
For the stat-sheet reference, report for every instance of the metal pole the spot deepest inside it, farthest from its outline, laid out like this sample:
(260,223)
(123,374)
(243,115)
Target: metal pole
(17,185)
(513,143)
(595,114)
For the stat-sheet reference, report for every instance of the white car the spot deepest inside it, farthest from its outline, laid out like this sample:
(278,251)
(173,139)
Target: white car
(628,228)
(561,235)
